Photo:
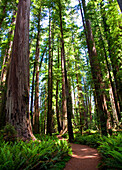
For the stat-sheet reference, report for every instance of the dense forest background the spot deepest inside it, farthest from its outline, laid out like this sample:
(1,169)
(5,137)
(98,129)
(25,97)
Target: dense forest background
(73,70)
(60,72)
(72,66)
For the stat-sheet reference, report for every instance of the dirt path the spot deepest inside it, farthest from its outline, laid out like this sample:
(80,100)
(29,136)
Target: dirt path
(83,158)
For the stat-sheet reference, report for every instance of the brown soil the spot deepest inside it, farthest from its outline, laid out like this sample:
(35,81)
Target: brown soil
(83,158)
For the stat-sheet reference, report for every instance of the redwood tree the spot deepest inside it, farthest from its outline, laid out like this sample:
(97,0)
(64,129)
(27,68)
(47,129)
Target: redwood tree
(36,102)
(67,93)
(96,71)
(49,113)
(17,105)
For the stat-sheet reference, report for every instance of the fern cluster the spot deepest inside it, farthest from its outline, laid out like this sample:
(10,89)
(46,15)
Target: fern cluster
(33,154)
(110,150)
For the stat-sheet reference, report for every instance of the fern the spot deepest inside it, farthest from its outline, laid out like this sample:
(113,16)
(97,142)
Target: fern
(23,155)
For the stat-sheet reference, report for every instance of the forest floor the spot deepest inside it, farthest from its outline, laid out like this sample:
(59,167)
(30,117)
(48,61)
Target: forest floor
(83,158)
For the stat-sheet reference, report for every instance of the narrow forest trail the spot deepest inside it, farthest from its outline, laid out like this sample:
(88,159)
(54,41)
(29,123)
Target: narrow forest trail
(83,158)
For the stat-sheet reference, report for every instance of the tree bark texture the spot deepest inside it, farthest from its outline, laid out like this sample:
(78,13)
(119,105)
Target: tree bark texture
(68,101)
(64,106)
(36,102)
(49,113)
(17,105)
(114,62)
(114,98)
(4,76)
(97,78)
(80,99)
(96,73)
(57,103)
(32,93)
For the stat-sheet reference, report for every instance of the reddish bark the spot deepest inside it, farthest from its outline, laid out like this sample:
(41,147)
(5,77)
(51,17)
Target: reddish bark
(36,123)
(68,99)
(57,103)
(49,113)
(96,72)
(17,105)
(80,102)
(4,76)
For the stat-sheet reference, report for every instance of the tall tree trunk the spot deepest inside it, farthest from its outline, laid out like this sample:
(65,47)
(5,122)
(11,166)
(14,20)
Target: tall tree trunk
(76,116)
(69,113)
(57,103)
(115,117)
(97,78)
(112,92)
(90,109)
(36,102)
(85,104)
(64,107)
(4,76)
(32,94)
(45,110)
(114,62)
(80,98)
(49,113)
(8,52)
(17,105)
(96,73)
(117,109)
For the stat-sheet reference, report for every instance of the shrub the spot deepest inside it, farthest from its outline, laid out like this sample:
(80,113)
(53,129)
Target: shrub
(9,133)
(33,154)
(90,140)
(110,150)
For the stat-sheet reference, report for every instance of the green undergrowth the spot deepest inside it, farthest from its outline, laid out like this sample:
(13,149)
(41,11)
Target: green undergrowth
(90,140)
(109,148)
(50,153)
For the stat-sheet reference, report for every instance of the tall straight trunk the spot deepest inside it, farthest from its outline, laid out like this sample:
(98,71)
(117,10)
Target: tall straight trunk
(64,106)
(57,103)
(112,92)
(45,110)
(42,112)
(42,57)
(115,117)
(117,109)
(33,80)
(97,78)
(49,113)
(80,98)
(85,104)
(4,76)
(32,94)
(69,65)
(90,109)
(17,105)
(36,102)
(114,62)
(69,113)
(8,53)
(96,72)
(76,116)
